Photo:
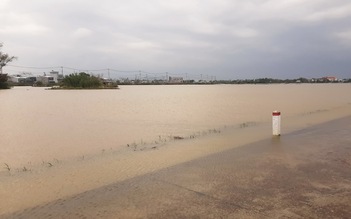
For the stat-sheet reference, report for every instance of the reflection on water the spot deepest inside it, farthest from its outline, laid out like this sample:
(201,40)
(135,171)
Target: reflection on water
(39,125)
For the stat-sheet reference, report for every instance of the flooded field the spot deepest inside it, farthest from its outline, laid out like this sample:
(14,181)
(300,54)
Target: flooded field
(59,143)
(41,125)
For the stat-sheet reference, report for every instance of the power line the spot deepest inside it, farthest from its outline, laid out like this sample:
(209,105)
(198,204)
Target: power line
(82,69)
(31,67)
(114,71)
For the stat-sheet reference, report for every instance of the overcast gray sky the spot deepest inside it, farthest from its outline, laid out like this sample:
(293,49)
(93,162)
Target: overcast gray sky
(228,39)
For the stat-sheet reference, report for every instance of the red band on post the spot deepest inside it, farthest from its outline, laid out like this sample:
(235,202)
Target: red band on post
(276,113)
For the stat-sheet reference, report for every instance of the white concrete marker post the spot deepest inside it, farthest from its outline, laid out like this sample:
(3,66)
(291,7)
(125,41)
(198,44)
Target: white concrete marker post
(276,123)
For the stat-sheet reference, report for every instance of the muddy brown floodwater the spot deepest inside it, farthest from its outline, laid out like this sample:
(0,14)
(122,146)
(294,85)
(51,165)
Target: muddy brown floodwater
(57,144)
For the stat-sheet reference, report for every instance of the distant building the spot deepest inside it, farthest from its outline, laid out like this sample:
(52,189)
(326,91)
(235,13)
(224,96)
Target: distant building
(330,78)
(175,80)
(47,80)
(107,81)
(57,77)
(17,78)
(22,80)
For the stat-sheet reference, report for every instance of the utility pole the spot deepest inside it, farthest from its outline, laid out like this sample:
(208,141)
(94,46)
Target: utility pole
(62,70)
(108,72)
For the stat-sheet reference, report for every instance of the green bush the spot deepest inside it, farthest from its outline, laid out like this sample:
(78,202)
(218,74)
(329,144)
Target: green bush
(81,80)
(4,85)
(3,82)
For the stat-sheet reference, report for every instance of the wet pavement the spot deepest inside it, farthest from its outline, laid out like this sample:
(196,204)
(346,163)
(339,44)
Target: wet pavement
(304,174)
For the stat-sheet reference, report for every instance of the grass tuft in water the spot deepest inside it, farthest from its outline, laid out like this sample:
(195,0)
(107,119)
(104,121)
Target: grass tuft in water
(7,167)
(25,169)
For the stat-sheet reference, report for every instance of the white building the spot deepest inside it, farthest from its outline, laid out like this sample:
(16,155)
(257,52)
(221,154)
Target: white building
(46,79)
(57,77)
(175,80)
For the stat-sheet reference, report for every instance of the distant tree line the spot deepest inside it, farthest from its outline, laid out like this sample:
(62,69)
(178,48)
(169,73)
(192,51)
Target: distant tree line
(238,81)
(278,81)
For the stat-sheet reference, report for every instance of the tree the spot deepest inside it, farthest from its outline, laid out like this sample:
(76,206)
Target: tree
(81,80)
(3,81)
(5,58)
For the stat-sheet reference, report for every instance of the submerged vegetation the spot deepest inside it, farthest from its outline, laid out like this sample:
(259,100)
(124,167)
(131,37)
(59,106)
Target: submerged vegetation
(83,80)
(7,167)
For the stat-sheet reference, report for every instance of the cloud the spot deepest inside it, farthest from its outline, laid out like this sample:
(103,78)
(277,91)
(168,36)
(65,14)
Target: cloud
(18,23)
(245,32)
(253,37)
(344,37)
(82,33)
(24,29)
(338,12)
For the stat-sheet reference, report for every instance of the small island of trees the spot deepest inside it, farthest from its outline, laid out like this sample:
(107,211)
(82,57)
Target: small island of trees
(83,80)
